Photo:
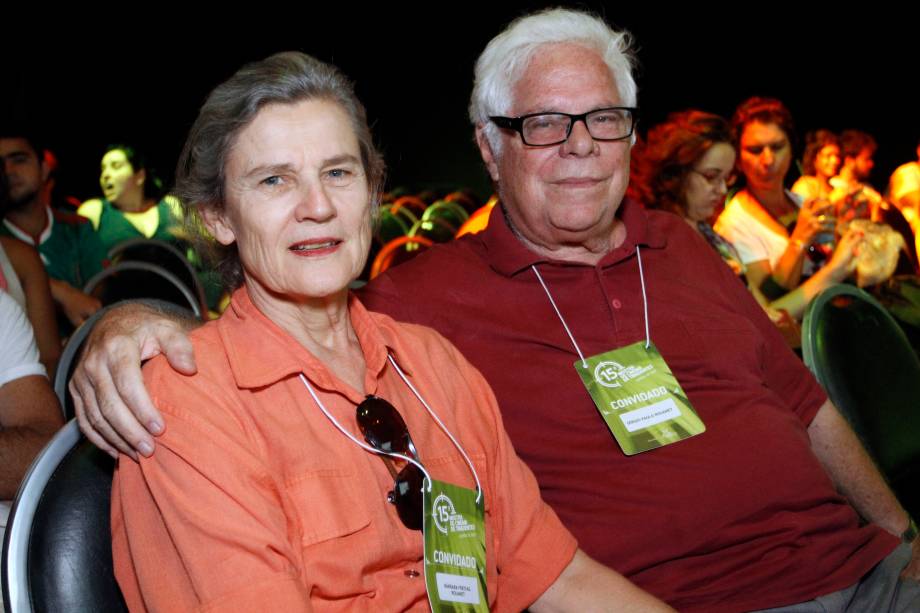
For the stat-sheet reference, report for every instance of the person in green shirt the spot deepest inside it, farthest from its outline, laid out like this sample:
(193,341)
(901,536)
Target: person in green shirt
(70,249)
(131,206)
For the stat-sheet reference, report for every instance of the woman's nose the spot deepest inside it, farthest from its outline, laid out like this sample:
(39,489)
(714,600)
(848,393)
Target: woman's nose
(314,205)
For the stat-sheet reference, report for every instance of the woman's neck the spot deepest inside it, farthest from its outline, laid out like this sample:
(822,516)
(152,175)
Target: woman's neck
(134,204)
(321,325)
(773,199)
(693,224)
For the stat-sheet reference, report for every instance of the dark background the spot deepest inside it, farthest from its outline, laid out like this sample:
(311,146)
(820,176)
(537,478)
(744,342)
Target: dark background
(141,78)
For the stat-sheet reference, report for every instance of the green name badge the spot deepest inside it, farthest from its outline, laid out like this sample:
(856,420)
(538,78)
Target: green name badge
(455,549)
(639,398)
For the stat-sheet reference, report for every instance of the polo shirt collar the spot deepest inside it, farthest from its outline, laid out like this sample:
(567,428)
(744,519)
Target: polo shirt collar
(28,238)
(508,256)
(261,353)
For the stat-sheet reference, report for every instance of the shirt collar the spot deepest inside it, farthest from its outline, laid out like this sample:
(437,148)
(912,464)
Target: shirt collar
(508,256)
(261,353)
(25,236)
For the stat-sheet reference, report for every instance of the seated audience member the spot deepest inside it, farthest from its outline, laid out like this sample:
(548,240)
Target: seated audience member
(29,410)
(131,206)
(904,192)
(23,276)
(853,197)
(753,513)
(262,496)
(758,218)
(821,161)
(686,166)
(70,249)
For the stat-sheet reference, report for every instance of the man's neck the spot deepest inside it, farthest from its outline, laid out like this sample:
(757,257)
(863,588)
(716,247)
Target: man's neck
(848,174)
(589,252)
(31,219)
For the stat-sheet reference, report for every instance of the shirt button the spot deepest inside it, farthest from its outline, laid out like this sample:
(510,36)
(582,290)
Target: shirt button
(412,574)
(616,303)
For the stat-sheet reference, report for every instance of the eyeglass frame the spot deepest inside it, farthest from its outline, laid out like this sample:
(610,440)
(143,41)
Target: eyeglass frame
(728,181)
(517,123)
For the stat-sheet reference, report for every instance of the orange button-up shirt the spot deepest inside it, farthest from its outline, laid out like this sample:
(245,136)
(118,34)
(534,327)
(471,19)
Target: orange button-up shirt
(255,501)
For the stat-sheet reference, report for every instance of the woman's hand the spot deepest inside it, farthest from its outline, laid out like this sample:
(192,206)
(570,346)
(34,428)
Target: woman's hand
(843,261)
(815,217)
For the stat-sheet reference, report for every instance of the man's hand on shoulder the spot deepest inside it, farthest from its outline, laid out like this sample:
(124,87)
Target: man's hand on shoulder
(113,407)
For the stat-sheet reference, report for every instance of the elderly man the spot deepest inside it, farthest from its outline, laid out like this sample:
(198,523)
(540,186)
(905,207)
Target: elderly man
(716,491)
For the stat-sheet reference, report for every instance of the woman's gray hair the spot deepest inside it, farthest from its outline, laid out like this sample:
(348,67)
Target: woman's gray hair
(283,78)
(507,56)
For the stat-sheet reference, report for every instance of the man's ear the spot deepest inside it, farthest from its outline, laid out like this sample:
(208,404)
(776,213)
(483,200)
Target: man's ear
(485,150)
(216,223)
(44,168)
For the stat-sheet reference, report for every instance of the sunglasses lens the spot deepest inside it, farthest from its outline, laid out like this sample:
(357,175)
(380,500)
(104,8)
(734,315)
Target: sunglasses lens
(382,425)
(407,496)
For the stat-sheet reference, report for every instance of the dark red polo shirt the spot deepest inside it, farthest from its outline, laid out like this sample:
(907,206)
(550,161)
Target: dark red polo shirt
(740,517)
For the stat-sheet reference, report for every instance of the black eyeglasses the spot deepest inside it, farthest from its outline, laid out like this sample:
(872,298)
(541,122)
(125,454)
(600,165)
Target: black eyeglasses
(384,429)
(544,129)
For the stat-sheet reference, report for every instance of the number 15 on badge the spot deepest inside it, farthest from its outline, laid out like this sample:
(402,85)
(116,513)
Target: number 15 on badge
(639,398)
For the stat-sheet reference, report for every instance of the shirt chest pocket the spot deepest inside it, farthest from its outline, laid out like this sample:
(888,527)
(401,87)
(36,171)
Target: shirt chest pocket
(328,504)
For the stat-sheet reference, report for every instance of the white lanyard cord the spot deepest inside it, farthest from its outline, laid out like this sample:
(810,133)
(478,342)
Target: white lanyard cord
(398,455)
(364,446)
(441,424)
(584,362)
(644,299)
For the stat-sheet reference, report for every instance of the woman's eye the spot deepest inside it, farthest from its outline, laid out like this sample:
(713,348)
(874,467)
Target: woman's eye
(338,173)
(272,181)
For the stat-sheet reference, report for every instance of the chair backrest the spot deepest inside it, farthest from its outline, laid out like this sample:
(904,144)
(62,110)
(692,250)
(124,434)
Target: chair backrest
(161,254)
(131,280)
(69,359)
(57,551)
(861,357)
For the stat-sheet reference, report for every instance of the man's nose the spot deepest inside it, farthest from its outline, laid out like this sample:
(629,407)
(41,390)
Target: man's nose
(580,141)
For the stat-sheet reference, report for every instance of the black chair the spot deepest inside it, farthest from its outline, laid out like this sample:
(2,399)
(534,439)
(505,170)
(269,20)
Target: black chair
(132,280)
(57,552)
(861,357)
(164,255)
(69,359)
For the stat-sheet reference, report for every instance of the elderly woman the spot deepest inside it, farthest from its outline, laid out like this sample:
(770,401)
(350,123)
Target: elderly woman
(262,495)
(768,225)
(686,166)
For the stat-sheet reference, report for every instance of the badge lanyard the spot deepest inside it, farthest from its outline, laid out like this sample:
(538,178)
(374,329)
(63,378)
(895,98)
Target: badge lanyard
(453,524)
(633,388)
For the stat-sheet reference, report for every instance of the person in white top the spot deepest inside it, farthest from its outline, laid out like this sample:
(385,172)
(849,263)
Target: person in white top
(904,192)
(757,218)
(820,162)
(29,410)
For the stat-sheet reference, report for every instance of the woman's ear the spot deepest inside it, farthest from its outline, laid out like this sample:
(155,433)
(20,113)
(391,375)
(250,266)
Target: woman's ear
(216,223)
(140,176)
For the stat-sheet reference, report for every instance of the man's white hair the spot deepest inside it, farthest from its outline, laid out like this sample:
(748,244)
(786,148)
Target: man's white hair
(507,56)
